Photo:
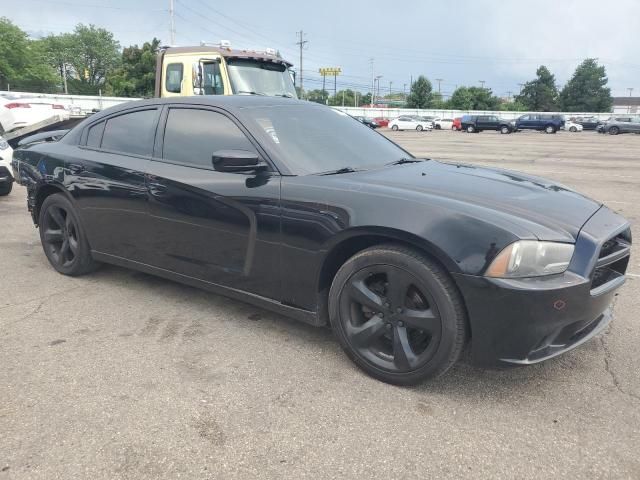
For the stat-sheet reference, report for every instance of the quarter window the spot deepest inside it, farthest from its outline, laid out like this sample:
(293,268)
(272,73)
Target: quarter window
(94,137)
(191,136)
(174,77)
(131,133)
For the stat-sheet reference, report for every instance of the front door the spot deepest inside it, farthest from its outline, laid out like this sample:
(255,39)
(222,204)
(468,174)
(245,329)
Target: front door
(216,226)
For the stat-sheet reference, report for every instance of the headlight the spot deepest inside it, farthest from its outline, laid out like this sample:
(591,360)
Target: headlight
(3,144)
(531,258)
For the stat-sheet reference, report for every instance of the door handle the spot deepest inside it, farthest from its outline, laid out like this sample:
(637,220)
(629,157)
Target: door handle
(157,188)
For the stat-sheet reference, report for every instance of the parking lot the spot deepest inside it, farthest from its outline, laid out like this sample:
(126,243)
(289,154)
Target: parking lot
(122,375)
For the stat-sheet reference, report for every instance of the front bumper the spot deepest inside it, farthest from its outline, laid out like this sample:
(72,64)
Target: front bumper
(524,321)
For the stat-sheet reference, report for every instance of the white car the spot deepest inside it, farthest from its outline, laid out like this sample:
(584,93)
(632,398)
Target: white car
(6,178)
(17,112)
(410,123)
(570,126)
(443,123)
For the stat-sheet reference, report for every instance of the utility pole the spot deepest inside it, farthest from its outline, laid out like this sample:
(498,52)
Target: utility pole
(482,82)
(390,83)
(378,77)
(521,85)
(439,80)
(630,93)
(509,92)
(404,90)
(173,24)
(373,83)
(301,43)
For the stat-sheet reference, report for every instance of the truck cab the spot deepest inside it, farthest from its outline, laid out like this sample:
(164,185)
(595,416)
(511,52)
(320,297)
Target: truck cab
(221,70)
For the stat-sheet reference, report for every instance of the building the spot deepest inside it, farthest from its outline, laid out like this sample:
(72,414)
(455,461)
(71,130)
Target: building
(626,104)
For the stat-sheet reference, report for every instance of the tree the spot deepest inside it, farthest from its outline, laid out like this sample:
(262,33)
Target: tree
(57,49)
(94,53)
(22,61)
(586,91)
(541,94)
(473,98)
(420,95)
(318,96)
(135,77)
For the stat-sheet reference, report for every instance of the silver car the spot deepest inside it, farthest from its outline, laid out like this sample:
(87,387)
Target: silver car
(620,124)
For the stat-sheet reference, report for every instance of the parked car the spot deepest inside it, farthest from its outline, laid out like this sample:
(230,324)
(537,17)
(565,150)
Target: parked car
(409,123)
(6,178)
(548,123)
(381,121)
(620,124)
(426,120)
(17,112)
(457,125)
(443,123)
(479,123)
(368,122)
(588,123)
(570,126)
(406,258)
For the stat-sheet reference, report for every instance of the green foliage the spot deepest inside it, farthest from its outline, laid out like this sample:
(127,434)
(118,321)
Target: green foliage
(318,96)
(348,98)
(586,91)
(513,106)
(473,98)
(23,63)
(420,96)
(136,75)
(541,94)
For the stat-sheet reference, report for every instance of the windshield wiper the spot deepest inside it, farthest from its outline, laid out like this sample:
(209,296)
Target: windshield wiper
(251,92)
(339,171)
(285,95)
(405,160)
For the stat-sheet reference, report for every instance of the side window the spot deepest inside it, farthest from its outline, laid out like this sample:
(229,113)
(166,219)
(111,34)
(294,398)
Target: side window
(525,117)
(131,132)
(212,80)
(94,136)
(174,77)
(191,136)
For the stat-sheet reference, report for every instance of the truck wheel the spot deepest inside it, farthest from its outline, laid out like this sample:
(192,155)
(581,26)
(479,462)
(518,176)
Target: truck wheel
(471,129)
(550,129)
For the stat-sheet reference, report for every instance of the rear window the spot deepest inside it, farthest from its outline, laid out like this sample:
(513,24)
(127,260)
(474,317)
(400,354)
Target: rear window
(131,132)
(94,137)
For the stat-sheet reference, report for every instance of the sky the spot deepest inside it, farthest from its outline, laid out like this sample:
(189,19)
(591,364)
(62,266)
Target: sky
(462,42)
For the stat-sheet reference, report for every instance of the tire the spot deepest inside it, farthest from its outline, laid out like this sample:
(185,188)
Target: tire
(504,130)
(403,333)
(471,129)
(614,130)
(419,128)
(6,189)
(550,129)
(394,128)
(573,129)
(62,237)
(438,127)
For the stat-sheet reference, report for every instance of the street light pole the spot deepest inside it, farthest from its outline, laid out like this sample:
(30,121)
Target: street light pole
(630,93)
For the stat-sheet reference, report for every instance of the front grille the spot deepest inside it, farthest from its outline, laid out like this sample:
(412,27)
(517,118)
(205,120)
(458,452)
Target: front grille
(612,263)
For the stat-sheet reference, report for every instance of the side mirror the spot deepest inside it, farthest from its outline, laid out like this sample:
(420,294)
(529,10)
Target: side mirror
(236,161)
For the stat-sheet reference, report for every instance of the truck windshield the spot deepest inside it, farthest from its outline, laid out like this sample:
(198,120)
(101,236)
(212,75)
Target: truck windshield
(260,78)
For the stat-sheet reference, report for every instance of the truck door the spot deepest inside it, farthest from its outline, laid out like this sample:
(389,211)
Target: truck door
(207,77)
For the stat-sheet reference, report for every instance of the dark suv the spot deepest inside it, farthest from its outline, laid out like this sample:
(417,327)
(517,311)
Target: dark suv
(478,123)
(540,121)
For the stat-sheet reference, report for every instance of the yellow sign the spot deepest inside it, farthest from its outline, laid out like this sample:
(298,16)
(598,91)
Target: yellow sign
(330,71)
(86,74)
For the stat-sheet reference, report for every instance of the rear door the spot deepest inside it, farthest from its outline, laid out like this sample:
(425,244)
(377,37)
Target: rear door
(107,180)
(216,226)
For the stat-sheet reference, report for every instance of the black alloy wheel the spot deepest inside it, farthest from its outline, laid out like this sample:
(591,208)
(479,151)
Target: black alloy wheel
(62,238)
(397,314)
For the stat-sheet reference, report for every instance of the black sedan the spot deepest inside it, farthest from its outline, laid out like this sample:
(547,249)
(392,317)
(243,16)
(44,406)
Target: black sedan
(368,122)
(301,209)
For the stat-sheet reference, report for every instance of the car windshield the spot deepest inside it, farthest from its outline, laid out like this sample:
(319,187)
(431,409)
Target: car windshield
(260,78)
(312,139)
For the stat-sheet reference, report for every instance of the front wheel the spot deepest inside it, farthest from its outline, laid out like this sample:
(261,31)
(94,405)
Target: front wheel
(614,131)
(394,128)
(419,128)
(573,129)
(397,314)
(550,129)
(471,129)
(6,189)
(63,239)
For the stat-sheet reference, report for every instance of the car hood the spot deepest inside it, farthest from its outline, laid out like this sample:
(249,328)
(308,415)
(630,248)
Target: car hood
(548,210)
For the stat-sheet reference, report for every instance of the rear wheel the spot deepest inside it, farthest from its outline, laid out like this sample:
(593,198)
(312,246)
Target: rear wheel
(62,237)
(394,128)
(550,129)
(614,130)
(419,128)
(397,314)
(6,189)
(471,129)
